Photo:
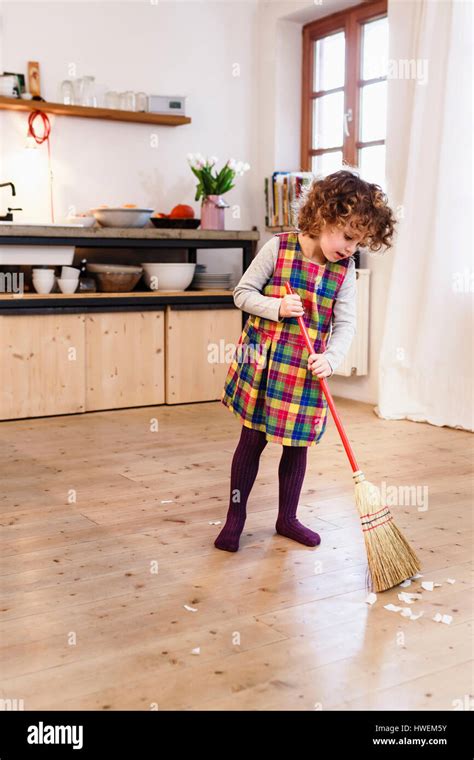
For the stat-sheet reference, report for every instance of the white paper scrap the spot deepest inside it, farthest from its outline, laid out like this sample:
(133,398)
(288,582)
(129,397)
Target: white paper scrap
(405,584)
(166,501)
(197,650)
(215,522)
(448,619)
(415,615)
(406,612)
(450,580)
(427,585)
(190,609)
(408,598)
(404,597)
(438,617)
(392,608)
(414,577)
(371,599)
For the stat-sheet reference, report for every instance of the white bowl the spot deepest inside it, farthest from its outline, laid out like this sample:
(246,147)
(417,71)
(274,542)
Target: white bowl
(43,287)
(84,221)
(70,273)
(67,286)
(122,217)
(168,276)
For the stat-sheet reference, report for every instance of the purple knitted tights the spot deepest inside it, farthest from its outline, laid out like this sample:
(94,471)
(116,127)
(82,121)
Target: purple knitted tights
(291,472)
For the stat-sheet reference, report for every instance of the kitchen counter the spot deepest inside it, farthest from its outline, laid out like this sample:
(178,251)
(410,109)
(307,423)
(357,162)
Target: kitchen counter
(128,349)
(96,237)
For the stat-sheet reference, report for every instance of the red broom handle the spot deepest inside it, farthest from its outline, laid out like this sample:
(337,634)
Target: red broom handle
(326,391)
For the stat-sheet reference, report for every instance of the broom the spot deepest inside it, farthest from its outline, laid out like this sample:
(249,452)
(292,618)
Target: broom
(390,558)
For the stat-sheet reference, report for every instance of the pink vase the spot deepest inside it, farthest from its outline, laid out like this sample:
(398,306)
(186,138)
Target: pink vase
(212,213)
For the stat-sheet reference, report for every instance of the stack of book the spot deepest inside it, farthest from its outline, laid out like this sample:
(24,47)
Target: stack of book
(282,191)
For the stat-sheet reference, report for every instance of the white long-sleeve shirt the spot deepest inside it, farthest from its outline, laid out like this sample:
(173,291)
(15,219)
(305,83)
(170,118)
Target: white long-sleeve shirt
(248,297)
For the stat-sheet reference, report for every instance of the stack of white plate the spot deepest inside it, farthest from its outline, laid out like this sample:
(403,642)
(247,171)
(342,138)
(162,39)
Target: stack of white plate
(210,281)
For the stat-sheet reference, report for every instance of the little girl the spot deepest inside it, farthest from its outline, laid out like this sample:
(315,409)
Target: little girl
(271,384)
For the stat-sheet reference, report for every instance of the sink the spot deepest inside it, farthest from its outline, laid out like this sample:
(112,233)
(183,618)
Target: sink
(36,254)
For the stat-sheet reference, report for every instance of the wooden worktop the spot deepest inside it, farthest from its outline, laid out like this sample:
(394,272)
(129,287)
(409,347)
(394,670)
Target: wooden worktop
(123,233)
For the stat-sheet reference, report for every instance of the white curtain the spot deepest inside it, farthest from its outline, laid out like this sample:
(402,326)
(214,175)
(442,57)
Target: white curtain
(426,360)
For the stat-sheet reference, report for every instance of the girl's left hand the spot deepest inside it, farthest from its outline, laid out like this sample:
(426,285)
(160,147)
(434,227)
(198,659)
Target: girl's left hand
(319,366)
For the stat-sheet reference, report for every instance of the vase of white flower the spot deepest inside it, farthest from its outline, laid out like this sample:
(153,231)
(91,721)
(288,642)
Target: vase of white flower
(212,185)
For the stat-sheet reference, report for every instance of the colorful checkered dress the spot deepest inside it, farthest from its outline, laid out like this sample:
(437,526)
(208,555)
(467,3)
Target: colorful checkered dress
(269,385)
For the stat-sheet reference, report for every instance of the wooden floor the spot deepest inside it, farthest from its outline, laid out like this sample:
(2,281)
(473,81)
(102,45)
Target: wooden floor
(106,536)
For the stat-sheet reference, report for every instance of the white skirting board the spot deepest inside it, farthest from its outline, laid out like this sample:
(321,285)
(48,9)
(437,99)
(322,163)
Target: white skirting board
(356,359)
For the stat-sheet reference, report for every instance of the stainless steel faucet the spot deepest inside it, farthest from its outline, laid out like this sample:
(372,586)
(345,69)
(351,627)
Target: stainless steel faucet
(9,216)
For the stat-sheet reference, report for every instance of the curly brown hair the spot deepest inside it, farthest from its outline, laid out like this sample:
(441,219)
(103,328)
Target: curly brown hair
(343,198)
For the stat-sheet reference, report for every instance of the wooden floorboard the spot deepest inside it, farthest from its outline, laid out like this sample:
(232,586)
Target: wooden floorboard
(106,536)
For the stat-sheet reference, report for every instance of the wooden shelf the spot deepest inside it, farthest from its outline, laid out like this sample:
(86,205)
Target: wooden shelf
(280,228)
(106,296)
(110,114)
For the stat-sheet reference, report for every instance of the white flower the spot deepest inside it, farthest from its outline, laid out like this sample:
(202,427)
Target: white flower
(197,161)
(238,167)
(213,160)
(231,163)
(246,167)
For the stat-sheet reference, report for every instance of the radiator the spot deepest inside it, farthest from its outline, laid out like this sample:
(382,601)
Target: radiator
(356,359)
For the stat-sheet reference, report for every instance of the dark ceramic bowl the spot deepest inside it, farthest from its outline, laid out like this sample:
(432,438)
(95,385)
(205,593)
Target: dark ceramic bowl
(175,224)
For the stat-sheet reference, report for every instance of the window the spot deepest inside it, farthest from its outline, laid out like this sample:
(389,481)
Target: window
(345,60)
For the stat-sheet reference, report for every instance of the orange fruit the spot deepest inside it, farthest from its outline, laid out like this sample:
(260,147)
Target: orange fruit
(182,211)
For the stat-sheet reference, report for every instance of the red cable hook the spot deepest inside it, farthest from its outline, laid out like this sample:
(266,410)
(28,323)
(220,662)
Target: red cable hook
(40,139)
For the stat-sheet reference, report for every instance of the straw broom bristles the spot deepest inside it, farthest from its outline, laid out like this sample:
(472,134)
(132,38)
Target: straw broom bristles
(390,558)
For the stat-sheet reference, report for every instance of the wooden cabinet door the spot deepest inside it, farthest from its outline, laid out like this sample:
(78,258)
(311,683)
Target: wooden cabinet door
(125,359)
(198,345)
(42,367)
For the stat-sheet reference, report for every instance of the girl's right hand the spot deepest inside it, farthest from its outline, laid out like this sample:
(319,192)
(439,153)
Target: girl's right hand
(291,306)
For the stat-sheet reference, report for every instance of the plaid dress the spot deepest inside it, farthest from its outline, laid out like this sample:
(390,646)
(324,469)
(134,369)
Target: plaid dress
(268,385)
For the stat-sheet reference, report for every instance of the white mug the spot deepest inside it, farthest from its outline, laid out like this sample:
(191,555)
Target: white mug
(70,273)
